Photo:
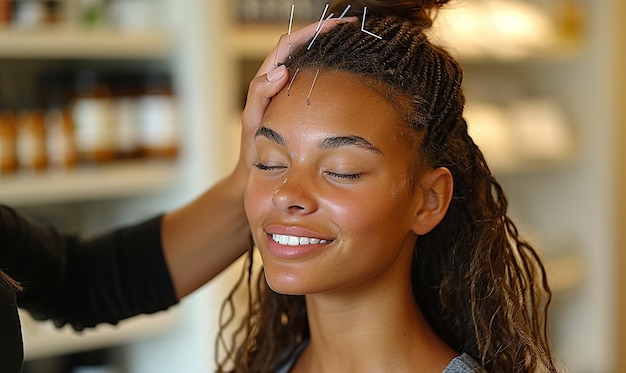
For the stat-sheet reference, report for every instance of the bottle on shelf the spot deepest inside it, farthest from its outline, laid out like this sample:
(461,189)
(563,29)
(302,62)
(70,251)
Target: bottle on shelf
(126,89)
(92,13)
(60,138)
(28,14)
(8,142)
(158,117)
(128,16)
(5,12)
(31,138)
(278,11)
(92,115)
(54,12)
(60,141)
(570,19)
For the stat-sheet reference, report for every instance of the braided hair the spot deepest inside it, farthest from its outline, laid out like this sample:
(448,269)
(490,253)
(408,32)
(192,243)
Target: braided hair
(482,288)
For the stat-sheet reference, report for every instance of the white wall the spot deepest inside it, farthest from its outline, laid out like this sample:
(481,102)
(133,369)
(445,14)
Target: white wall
(577,202)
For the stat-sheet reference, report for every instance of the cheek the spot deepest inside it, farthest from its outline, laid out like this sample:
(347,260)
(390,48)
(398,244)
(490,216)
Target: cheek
(362,214)
(256,199)
(354,212)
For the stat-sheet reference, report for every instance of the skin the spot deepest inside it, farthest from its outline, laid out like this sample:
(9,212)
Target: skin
(334,171)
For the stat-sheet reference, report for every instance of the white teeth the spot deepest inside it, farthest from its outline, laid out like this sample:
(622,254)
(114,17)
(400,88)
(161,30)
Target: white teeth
(294,240)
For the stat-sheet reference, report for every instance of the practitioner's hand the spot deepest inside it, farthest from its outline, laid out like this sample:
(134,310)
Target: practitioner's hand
(268,81)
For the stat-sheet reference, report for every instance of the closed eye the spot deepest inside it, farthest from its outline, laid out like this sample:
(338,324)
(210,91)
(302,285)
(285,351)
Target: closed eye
(342,176)
(264,167)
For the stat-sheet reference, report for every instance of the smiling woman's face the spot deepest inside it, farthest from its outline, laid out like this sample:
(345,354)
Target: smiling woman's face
(329,200)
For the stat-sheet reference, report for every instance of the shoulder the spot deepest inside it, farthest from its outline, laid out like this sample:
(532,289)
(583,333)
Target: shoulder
(463,364)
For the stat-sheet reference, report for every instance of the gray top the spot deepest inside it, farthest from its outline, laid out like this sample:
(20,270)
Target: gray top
(463,364)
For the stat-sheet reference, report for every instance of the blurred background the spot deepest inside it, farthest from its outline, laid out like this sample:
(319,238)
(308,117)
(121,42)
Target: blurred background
(114,110)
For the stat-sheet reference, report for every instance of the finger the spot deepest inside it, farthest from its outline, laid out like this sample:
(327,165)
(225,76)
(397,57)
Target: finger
(262,89)
(298,38)
(260,92)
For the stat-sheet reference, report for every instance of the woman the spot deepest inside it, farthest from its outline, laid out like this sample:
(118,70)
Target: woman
(384,237)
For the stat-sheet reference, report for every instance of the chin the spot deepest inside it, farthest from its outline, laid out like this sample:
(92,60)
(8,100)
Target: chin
(287,285)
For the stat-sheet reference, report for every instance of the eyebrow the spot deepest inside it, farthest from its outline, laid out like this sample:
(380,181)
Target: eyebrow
(270,134)
(339,141)
(327,143)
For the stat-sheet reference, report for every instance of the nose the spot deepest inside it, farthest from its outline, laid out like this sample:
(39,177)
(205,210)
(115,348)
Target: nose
(293,197)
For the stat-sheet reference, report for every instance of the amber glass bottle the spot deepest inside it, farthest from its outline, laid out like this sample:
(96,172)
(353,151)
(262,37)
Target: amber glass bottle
(158,117)
(92,115)
(60,142)
(31,139)
(8,152)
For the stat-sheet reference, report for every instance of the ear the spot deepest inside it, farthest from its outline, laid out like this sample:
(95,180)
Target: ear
(435,191)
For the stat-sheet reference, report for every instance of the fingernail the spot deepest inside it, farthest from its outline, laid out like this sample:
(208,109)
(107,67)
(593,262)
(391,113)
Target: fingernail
(275,75)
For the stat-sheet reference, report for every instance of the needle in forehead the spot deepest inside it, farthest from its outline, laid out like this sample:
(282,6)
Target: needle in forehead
(308,98)
(291,82)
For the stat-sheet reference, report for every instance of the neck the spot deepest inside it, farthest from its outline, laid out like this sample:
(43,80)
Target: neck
(383,331)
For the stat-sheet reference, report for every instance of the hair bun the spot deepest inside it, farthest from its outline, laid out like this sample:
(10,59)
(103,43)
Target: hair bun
(419,12)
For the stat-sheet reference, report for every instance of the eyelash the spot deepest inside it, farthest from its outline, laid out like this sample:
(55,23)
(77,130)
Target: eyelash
(343,176)
(264,167)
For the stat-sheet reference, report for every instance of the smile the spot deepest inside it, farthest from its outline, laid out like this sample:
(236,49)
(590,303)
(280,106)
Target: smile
(295,240)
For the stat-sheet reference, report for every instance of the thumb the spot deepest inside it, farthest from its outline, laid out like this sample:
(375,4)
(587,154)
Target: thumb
(260,92)
(262,89)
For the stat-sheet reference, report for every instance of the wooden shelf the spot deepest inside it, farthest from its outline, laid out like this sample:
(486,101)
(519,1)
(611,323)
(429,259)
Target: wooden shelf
(119,179)
(254,41)
(68,43)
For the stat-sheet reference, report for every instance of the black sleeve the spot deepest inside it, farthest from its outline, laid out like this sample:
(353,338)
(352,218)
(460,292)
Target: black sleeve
(11,348)
(85,282)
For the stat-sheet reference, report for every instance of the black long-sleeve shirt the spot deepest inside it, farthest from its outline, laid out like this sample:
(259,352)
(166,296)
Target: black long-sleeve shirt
(11,349)
(84,282)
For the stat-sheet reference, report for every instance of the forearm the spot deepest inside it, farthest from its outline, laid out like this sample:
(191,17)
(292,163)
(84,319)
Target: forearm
(205,236)
(85,282)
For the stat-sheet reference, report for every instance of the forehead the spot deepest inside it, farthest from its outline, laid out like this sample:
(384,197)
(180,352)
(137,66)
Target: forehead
(335,102)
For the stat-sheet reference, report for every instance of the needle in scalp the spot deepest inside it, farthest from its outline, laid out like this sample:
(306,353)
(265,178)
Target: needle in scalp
(345,11)
(288,36)
(319,24)
(290,25)
(363,25)
(319,27)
